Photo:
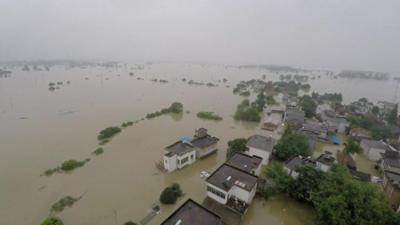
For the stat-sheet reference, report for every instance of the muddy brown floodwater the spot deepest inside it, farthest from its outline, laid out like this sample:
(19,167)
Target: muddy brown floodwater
(39,129)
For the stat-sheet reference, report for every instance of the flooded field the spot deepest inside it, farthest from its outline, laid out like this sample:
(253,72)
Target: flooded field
(41,128)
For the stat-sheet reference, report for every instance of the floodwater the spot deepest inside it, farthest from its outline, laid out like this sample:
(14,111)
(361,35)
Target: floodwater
(40,129)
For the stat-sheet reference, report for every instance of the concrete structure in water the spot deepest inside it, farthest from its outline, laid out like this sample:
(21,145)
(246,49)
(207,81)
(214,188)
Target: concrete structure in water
(187,150)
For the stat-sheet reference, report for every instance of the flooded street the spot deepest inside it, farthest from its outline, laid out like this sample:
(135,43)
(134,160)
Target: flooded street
(39,129)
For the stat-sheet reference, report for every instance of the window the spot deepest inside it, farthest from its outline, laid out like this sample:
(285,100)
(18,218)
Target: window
(191,157)
(184,160)
(216,192)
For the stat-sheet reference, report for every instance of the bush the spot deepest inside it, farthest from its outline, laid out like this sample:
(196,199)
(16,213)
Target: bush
(52,221)
(127,124)
(208,115)
(170,194)
(235,146)
(72,164)
(108,133)
(292,144)
(175,107)
(130,223)
(246,112)
(98,151)
(64,202)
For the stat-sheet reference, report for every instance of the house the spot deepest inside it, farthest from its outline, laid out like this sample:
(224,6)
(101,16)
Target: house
(333,123)
(294,118)
(278,109)
(318,130)
(260,146)
(292,165)
(359,134)
(203,143)
(272,121)
(390,161)
(391,186)
(325,161)
(232,187)
(178,155)
(373,149)
(250,164)
(192,213)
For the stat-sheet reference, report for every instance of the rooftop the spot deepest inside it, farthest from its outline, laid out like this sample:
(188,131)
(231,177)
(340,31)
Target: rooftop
(178,148)
(244,162)
(394,178)
(295,115)
(192,213)
(297,161)
(204,141)
(326,158)
(375,144)
(261,142)
(226,176)
(360,132)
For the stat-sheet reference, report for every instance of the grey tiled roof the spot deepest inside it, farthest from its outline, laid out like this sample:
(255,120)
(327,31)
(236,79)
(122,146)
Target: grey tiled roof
(192,213)
(203,142)
(178,148)
(226,176)
(261,142)
(244,162)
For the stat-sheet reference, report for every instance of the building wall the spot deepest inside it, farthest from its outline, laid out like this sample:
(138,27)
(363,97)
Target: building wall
(216,197)
(242,194)
(170,163)
(191,158)
(260,153)
(323,167)
(205,151)
(374,154)
(257,171)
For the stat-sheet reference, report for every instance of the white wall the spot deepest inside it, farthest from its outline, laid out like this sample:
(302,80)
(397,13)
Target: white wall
(260,153)
(170,163)
(216,197)
(191,159)
(242,194)
(323,167)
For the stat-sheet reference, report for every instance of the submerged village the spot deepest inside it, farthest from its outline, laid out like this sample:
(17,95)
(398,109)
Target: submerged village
(340,161)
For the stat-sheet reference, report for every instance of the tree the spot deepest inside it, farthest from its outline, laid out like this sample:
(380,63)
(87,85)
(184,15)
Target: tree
(176,107)
(308,106)
(292,144)
(52,221)
(306,183)
(235,146)
(375,110)
(170,194)
(352,147)
(282,181)
(340,200)
(260,101)
(246,112)
(392,116)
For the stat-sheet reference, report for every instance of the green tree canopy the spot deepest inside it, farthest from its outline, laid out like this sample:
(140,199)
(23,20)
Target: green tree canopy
(170,194)
(308,105)
(52,221)
(352,147)
(392,116)
(292,144)
(235,146)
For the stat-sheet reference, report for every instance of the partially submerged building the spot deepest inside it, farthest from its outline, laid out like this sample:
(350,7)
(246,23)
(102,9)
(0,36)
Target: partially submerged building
(294,118)
(192,213)
(232,187)
(294,164)
(178,155)
(272,121)
(260,146)
(204,143)
(391,186)
(187,150)
(373,149)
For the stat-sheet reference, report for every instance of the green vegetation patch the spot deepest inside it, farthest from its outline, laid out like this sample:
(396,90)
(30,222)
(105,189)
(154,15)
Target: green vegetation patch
(108,133)
(209,116)
(64,202)
(245,112)
(235,146)
(98,151)
(52,221)
(127,124)
(170,194)
(72,164)
(175,107)
(292,144)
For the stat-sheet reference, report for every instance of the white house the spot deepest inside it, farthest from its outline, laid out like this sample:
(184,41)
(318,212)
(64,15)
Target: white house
(373,149)
(247,163)
(178,155)
(325,161)
(232,187)
(260,146)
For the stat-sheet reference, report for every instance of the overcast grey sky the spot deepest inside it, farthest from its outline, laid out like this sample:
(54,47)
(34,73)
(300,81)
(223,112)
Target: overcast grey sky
(358,34)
